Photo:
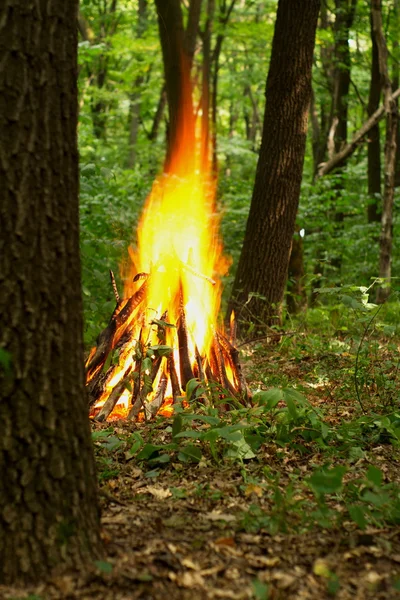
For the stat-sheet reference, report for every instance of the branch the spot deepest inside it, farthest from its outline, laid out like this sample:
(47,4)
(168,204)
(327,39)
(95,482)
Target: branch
(348,150)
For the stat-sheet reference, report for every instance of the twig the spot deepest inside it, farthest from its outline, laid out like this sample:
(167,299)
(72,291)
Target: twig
(114,287)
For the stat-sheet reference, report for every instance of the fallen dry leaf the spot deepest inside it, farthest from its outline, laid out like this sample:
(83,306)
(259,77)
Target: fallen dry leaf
(217,516)
(158,492)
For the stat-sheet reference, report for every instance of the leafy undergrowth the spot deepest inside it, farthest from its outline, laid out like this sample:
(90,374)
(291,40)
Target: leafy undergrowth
(296,497)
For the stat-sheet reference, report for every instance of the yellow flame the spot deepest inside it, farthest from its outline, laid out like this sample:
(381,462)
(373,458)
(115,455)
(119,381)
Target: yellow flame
(179,247)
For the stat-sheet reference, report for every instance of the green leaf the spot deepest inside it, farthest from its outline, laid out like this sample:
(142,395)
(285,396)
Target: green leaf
(327,481)
(190,433)
(160,350)
(5,360)
(160,460)
(147,451)
(375,475)
(291,407)
(177,425)
(357,514)
(103,433)
(269,398)
(191,388)
(190,453)
(260,590)
(104,566)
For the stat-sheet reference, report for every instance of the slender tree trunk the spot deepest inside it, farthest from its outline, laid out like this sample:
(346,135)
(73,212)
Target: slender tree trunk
(48,506)
(158,115)
(223,18)
(395,82)
(192,28)
(386,237)
(345,10)
(374,145)
(263,264)
(134,109)
(206,75)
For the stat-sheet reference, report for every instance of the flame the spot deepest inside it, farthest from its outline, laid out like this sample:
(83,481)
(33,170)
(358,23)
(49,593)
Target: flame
(179,248)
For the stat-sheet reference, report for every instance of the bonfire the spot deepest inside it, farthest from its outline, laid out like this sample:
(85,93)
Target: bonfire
(163,343)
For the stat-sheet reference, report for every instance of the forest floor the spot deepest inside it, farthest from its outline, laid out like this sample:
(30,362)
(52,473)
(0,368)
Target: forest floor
(298,497)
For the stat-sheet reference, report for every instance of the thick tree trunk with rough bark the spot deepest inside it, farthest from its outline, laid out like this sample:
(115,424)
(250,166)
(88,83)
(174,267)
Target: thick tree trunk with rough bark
(263,264)
(48,505)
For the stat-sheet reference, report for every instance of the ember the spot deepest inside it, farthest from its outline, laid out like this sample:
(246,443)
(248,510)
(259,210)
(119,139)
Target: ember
(164,333)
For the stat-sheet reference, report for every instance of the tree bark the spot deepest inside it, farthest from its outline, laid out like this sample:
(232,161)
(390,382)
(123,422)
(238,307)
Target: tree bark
(344,12)
(192,29)
(263,264)
(48,501)
(374,145)
(386,237)
(177,76)
(223,18)
(206,74)
(134,108)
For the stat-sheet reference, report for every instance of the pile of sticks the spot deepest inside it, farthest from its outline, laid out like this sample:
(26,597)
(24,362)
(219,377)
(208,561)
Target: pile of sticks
(116,346)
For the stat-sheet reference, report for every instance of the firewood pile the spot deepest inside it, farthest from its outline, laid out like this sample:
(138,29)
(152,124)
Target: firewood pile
(142,366)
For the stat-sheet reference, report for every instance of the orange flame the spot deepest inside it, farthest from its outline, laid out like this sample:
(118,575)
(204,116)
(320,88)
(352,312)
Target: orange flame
(180,249)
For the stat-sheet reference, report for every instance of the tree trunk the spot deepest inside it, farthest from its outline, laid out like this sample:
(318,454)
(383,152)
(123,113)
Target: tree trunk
(263,264)
(374,145)
(134,108)
(223,18)
(48,504)
(206,74)
(158,115)
(386,237)
(344,11)
(177,76)
(192,28)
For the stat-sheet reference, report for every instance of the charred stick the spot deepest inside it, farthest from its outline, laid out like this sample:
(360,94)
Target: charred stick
(139,400)
(176,390)
(112,399)
(110,336)
(233,354)
(233,328)
(185,366)
(98,382)
(221,363)
(193,271)
(152,407)
(199,363)
(114,287)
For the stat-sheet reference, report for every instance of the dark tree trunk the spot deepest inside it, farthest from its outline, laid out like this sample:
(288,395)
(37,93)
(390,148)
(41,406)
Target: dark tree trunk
(48,505)
(223,18)
(386,237)
(263,264)
(176,70)
(158,115)
(134,108)
(206,74)
(192,28)
(374,145)
(344,12)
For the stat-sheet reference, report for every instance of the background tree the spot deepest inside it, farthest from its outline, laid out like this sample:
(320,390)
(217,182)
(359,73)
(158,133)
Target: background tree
(263,263)
(48,506)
